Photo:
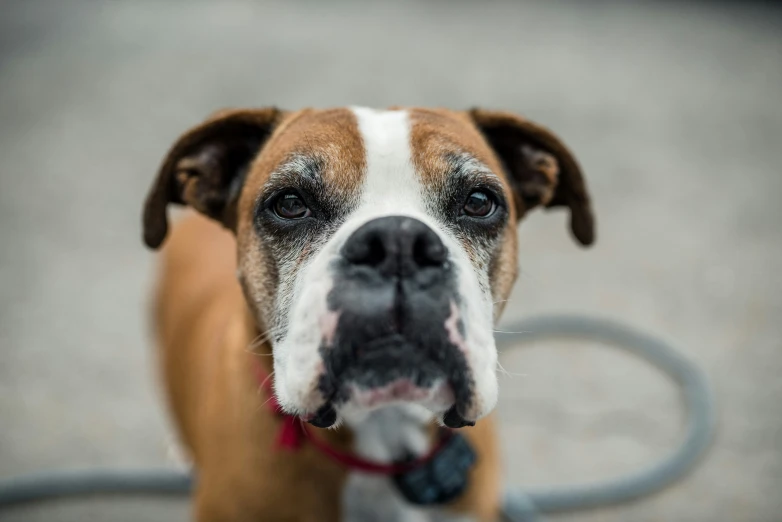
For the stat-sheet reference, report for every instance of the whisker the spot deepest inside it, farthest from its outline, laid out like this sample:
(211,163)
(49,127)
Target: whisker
(263,384)
(260,340)
(505,372)
(261,390)
(267,333)
(264,404)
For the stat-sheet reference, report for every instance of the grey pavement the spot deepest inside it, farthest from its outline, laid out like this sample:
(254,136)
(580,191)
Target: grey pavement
(674,109)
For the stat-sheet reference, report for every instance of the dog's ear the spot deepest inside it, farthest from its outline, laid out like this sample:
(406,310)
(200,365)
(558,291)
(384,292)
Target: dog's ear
(205,168)
(542,170)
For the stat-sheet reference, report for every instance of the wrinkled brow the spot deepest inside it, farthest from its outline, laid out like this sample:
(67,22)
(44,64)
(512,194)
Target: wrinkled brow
(465,169)
(299,170)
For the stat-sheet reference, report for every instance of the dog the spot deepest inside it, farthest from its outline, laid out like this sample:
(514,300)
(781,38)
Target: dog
(325,317)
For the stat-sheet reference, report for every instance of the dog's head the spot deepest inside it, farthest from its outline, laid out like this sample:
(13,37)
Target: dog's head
(375,248)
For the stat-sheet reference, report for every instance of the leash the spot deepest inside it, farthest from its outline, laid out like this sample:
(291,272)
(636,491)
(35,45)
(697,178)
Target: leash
(518,506)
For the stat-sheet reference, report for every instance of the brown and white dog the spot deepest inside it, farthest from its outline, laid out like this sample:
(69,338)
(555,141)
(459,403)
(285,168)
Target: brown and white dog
(367,258)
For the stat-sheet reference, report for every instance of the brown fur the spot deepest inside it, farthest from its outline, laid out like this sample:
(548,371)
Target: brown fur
(206,334)
(207,322)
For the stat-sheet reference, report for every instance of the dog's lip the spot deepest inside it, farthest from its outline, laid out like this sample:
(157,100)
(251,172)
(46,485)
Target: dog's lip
(437,397)
(454,419)
(325,417)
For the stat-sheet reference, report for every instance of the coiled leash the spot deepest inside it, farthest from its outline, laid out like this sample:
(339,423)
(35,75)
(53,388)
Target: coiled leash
(695,393)
(518,506)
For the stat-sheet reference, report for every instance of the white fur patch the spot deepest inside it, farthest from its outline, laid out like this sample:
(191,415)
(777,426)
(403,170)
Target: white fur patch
(384,436)
(391,185)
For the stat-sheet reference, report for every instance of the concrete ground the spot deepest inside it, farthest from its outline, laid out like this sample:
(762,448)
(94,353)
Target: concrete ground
(674,110)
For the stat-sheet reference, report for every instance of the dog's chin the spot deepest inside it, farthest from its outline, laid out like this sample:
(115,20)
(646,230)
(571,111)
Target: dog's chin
(360,375)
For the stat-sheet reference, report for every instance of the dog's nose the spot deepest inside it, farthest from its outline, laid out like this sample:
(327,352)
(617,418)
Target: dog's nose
(395,246)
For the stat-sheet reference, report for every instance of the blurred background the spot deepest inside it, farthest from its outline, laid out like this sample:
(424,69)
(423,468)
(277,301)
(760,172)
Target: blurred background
(674,110)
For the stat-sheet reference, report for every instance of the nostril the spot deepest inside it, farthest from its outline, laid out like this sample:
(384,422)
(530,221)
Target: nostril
(426,253)
(371,251)
(428,250)
(376,252)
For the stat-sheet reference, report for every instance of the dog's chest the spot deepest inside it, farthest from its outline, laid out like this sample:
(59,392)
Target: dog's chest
(385,436)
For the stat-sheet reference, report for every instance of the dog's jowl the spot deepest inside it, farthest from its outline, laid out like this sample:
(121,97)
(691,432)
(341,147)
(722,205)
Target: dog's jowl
(326,315)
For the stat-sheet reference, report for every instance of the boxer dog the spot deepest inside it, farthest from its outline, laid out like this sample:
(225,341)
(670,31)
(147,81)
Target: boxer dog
(328,352)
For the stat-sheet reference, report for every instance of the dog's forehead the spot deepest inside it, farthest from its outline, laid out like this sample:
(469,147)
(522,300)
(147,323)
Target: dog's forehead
(437,136)
(341,140)
(331,137)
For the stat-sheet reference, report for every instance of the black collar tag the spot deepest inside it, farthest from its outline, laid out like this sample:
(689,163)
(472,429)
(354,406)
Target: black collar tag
(442,478)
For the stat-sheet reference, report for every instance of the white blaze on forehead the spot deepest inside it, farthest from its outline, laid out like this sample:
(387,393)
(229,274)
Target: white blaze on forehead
(391,184)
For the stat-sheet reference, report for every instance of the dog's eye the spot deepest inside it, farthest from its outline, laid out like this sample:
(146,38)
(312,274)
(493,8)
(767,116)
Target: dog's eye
(479,204)
(291,206)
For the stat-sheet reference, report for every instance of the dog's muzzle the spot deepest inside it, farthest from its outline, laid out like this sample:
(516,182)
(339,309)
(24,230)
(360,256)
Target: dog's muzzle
(393,310)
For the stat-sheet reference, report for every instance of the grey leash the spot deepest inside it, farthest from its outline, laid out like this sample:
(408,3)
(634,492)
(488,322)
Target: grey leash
(696,394)
(518,506)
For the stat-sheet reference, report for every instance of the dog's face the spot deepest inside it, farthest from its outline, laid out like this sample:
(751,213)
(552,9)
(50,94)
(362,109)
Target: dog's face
(375,248)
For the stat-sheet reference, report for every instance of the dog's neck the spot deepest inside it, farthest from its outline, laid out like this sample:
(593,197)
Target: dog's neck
(393,433)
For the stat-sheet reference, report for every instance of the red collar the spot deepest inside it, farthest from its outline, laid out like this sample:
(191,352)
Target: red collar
(294,432)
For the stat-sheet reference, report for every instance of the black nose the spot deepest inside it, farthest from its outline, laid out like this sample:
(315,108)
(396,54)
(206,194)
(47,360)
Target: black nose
(395,245)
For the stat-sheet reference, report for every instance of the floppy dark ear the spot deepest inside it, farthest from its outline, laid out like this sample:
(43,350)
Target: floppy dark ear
(541,169)
(205,168)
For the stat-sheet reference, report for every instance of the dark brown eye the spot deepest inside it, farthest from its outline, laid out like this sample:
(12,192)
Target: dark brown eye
(291,206)
(479,204)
